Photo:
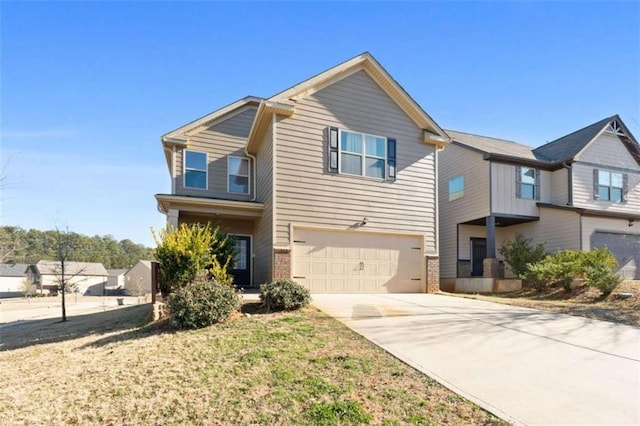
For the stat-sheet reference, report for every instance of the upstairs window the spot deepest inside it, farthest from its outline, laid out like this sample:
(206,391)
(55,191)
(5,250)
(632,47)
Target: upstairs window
(195,169)
(361,154)
(456,188)
(527,183)
(238,175)
(609,186)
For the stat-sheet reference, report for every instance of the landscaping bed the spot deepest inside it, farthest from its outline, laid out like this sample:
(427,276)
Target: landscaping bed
(299,367)
(581,301)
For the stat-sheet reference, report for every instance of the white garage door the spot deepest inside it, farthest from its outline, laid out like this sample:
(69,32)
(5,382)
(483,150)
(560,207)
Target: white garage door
(626,249)
(357,262)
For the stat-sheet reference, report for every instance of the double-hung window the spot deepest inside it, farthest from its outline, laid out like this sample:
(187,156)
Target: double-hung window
(456,188)
(195,169)
(527,183)
(366,155)
(238,175)
(609,186)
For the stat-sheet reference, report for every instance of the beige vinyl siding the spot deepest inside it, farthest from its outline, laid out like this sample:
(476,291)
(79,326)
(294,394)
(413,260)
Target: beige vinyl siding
(504,200)
(466,232)
(583,190)
(307,194)
(263,241)
(560,187)
(219,141)
(558,229)
(590,225)
(608,150)
(456,161)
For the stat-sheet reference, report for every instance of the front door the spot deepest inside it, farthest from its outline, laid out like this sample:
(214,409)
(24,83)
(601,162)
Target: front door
(478,253)
(242,263)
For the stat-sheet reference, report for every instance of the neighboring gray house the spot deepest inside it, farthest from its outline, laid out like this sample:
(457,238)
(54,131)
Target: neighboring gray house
(87,278)
(578,192)
(331,182)
(115,279)
(137,280)
(12,277)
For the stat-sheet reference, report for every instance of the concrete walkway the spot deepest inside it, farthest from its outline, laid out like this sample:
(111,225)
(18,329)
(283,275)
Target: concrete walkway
(523,365)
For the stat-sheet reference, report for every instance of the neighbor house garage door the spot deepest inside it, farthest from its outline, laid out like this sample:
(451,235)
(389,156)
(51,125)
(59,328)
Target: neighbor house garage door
(625,247)
(357,262)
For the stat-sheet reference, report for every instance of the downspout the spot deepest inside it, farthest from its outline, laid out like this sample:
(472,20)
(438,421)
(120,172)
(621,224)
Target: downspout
(173,169)
(437,208)
(255,176)
(569,182)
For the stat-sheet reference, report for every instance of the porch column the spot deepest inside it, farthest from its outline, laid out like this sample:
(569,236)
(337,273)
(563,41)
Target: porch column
(491,237)
(172,218)
(490,263)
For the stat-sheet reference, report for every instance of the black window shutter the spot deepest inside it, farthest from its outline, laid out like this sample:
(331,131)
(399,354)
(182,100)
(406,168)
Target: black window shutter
(518,182)
(391,159)
(596,195)
(537,188)
(333,159)
(625,186)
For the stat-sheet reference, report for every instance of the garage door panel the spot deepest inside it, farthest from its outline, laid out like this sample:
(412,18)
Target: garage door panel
(626,249)
(352,262)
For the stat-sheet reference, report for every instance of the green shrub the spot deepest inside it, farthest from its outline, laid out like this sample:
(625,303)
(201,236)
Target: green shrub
(201,303)
(284,295)
(599,268)
(188,250)
(220,273)
(521,252)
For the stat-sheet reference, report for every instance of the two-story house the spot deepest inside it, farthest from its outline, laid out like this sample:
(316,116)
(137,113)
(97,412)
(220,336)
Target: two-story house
(331,182)
(578,192)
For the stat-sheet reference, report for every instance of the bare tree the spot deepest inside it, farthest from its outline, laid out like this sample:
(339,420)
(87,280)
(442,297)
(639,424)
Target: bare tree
(65,248)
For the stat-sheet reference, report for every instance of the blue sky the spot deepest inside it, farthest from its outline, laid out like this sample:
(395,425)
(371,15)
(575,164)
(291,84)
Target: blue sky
(88,88)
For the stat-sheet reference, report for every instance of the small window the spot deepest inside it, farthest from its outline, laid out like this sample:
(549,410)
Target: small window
(195,169)
(527,183)
(610,186)
(456,188)
(238,175)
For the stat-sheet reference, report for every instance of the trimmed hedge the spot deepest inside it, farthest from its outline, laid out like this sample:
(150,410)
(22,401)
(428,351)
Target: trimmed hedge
(284,295)
(201,303)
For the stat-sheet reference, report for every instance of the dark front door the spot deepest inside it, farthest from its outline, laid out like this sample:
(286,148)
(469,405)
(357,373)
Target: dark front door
(242,263)
(478,253)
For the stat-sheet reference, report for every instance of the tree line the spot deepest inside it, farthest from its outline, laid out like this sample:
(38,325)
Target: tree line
(19,245)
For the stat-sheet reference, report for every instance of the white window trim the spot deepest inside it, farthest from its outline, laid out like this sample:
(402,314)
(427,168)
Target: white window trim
(206,170)
(248,175)
(610,186)
(363,156)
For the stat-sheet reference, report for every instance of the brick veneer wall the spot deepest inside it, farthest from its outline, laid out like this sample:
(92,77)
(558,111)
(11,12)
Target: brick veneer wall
(433,274)
(282,263)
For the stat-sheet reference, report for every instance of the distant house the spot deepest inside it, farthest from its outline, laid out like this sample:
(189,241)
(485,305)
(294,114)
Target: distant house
(12,277)
(579,192)
(84,277)
(115,279)
(137,280)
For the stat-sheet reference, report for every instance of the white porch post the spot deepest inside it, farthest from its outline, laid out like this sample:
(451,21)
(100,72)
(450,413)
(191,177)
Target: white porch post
(172,218)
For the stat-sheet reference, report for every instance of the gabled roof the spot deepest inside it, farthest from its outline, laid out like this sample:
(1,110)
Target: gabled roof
(489,145)
(52,267)
(280,102)
(550,155)
(116,272)
(13,269)
(567,147)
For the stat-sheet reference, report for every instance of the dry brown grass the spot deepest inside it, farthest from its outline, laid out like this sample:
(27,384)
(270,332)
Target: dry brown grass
(279,368)
(583,301)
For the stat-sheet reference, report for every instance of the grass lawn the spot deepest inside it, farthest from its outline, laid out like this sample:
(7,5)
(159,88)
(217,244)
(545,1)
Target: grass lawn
(582,301)
(279,368)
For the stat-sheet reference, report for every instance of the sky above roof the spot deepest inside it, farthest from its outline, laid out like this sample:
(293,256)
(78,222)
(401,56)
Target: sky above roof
(88,88)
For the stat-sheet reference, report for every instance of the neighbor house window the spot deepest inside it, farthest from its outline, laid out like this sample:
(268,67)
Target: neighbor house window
(609,186)
(456,188)
(527,183)
(238,175)
(195,169)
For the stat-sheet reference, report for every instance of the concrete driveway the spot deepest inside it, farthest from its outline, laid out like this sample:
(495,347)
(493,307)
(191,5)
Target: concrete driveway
(523,365)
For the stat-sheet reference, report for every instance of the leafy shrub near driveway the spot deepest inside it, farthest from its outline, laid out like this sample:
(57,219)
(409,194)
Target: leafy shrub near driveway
(202,303)
(520,252)
(284,295)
